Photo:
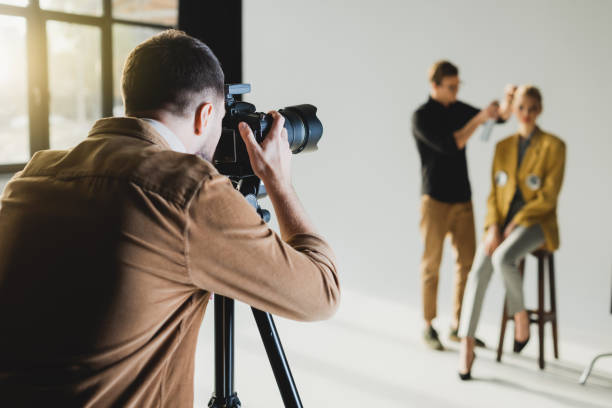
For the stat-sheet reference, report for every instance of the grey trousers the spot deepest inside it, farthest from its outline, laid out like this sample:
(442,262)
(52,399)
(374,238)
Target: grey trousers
(505,259)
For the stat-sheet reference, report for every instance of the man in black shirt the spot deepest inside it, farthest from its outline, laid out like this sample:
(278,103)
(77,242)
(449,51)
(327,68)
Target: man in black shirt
(442,126)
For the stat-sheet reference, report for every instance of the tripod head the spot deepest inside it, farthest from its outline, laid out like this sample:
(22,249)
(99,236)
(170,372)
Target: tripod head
(252,189)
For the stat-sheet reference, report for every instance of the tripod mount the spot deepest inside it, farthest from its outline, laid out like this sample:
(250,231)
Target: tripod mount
(224,395)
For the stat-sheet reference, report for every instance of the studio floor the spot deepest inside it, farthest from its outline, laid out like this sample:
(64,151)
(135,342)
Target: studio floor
(371,355)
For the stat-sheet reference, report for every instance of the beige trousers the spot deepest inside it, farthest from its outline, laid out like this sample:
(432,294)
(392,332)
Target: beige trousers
(439,219)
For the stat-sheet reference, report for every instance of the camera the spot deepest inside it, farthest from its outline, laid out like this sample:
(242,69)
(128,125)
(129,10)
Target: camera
(304,131)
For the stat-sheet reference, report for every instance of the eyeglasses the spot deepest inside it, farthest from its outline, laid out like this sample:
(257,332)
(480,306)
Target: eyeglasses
(453,88)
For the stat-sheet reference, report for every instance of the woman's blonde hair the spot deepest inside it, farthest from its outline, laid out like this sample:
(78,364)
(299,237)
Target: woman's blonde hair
(530,91)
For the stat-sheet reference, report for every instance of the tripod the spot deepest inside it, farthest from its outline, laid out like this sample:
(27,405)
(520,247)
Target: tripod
(224,395)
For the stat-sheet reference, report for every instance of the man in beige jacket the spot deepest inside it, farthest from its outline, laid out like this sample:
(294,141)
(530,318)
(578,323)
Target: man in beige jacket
(109,251)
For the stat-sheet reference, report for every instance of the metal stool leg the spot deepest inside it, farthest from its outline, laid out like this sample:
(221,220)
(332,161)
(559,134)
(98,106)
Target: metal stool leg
(589,368)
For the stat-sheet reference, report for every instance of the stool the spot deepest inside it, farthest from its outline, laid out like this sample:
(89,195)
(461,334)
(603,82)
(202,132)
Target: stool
(539,316)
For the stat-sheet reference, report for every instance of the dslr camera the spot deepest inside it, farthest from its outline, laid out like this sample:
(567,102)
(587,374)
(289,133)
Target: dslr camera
(304,131)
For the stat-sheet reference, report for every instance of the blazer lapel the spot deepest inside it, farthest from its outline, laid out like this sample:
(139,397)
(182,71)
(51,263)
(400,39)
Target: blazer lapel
(511,155)
(532,153)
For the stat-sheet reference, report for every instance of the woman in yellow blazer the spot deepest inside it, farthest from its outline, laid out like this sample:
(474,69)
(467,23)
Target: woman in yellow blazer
(521,217)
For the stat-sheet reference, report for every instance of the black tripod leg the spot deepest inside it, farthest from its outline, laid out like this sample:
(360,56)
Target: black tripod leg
(278,361)
(224,395)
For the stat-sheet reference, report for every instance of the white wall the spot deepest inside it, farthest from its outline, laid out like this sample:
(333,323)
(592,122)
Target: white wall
(364,65)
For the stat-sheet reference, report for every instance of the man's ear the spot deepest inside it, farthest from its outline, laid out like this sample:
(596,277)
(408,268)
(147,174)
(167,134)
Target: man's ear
(202,117)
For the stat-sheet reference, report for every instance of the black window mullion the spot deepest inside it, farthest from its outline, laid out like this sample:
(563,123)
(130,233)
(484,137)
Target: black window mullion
(11,168)
(107,60)
(14,10)
(71,18)
(38,81)
(140,24)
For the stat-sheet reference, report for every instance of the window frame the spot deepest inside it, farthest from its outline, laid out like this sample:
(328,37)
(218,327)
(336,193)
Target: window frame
(38,65)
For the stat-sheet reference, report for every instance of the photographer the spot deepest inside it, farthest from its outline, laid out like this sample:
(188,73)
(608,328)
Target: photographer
(109,251)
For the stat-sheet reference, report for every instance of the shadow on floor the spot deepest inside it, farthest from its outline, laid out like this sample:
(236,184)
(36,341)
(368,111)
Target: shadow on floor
(569,402)
(382,388)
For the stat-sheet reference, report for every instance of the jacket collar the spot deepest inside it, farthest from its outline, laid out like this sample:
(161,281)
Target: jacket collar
(129,126)
(532,153)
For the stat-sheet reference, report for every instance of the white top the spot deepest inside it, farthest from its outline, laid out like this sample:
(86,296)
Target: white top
(174,142)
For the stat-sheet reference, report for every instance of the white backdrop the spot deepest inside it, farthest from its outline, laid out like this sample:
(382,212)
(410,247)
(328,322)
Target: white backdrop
(364,65)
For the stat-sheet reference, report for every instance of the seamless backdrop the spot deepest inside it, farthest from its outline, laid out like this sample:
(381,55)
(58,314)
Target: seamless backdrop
(364,64)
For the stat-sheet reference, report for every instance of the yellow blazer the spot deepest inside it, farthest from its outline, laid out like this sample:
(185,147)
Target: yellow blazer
(539,178)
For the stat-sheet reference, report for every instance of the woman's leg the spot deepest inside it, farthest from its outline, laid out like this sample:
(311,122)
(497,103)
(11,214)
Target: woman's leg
(506,259)
(478,280)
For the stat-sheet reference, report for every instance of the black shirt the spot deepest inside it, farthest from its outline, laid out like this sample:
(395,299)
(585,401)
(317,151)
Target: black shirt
(444,170)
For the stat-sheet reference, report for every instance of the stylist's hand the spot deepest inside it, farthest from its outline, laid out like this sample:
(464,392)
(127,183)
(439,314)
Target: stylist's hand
(492,240)
(490,112)
(509,92)
(271,161)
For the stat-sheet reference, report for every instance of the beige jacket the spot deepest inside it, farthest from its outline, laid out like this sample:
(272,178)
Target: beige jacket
(108,255)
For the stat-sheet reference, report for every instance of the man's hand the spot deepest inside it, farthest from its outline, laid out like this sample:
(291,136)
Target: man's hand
(509,92)
(505,110)
(490,112)
(492,240)
(271,161)
(462,135)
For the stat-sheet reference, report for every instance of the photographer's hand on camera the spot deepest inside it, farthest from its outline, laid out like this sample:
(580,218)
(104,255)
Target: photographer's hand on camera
(271,162)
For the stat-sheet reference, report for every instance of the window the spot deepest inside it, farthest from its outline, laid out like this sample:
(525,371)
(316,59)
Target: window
(164,12)
(15,2)
(125,38)
(65,59)
(13,91)
(75,81)
(92,7)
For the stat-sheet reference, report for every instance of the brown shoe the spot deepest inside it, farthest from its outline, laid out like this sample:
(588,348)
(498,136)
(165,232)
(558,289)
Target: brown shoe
(430,335)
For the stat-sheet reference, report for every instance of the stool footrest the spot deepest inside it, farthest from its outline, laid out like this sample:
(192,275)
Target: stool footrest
(548,316)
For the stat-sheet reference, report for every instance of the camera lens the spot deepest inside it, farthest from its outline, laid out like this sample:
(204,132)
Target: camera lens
(304,129)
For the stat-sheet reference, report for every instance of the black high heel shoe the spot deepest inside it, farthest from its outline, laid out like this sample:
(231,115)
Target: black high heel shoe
(468,375)
(520,345)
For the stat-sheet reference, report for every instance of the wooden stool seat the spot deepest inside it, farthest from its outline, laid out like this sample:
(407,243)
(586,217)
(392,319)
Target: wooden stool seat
(537,316)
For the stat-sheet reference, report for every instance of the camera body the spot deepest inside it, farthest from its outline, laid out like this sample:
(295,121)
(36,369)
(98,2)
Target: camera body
(304,130)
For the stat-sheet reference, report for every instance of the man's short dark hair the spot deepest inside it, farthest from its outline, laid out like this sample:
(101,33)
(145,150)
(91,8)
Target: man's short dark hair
(168,71)
(440,70)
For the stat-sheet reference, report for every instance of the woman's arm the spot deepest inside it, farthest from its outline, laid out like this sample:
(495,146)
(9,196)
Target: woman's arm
(492,221)
(492,217)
